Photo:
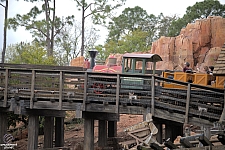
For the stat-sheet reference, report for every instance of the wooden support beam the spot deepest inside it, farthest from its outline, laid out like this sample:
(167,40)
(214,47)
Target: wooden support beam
(6,87)
(61,84)
(3,127)
(187,103)
(112,128)
(100,116)
(102,133)
(32,89)
(117,93)
(85,91)
(48,132)
(33,125)
(153,96)
(88,134)
(59,132)
(159,135)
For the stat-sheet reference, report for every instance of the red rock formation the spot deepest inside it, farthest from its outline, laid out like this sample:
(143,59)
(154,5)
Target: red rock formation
(199,44)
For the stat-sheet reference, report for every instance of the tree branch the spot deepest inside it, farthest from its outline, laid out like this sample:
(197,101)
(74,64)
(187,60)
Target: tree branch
(2,5)
(93,13)
(88,6)
(78,2)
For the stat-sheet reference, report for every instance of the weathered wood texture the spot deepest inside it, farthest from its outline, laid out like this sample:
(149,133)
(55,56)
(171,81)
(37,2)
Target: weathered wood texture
(59,131)
(88,134)
(112,128)
(33,125)
(48,132)
(102,133)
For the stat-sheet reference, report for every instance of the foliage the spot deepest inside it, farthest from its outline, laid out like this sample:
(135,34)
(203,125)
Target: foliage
(132,42)
(200,10)
(99,10)
(45,30)
(28,53)
(130,20)
(68,42)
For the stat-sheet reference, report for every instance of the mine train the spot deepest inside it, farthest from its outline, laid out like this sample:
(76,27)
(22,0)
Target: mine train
(130,66)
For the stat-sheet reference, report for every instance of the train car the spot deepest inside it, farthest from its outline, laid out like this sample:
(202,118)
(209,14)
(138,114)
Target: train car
(203,79)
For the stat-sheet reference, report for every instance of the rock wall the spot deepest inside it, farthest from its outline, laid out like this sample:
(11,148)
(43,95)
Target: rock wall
(199,44)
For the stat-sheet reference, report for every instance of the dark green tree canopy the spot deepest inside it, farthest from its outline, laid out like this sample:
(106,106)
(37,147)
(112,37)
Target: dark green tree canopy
(199,10)
(130,20)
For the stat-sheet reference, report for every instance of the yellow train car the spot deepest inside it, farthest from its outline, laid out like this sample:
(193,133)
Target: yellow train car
(195,78)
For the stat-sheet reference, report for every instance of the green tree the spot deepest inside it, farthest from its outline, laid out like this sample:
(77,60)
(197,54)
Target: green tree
(130,20)
(28,53)
(99,10)
(132,42)
(5,28)
(45,30)
(199,10)
(164,24)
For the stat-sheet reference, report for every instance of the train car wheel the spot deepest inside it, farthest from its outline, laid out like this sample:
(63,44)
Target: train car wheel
(98,87)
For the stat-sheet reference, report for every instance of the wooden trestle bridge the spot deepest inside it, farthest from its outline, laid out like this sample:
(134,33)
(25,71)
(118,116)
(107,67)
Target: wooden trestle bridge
(37,90)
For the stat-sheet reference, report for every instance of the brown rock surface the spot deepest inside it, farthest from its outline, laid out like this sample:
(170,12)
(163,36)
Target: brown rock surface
(199,44)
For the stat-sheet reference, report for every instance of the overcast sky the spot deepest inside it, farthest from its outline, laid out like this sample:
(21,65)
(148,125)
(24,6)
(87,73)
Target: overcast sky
(68,7)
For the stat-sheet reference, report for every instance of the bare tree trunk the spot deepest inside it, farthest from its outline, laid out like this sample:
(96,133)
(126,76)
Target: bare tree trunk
(53,28)
(82,37)
(5,31)
(48,40)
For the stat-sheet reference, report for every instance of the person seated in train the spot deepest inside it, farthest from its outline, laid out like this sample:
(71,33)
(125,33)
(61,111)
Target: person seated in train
(187,68)
(211,68)
(206,69)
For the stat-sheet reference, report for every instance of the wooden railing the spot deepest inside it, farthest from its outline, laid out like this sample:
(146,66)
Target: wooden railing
(33,87)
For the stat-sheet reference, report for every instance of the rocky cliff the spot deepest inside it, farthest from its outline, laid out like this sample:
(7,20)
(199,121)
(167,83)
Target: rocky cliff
(199,44)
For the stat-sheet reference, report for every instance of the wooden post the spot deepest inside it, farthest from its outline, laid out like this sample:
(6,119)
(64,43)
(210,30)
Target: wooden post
(102,133)
(153,96)
(6,88)
(60,90)
(3,127)
(32,89)
(85,90)
(59,131)
(187,103)
(33,125)
(112,128)
(88,134)
(48,132)
(117,93)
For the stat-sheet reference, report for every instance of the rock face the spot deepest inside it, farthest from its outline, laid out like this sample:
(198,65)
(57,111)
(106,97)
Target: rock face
(199,44)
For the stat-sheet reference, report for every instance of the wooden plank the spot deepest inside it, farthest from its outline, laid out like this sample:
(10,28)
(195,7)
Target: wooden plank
(6,88)
(60,90)
(33,125)
(32,89)
(48,132)
(187,103)
(88,134)
(117,93)
(59,131)
(153,96)
(85,91)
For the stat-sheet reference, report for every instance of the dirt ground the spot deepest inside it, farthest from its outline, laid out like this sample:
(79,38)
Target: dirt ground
(74,133)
